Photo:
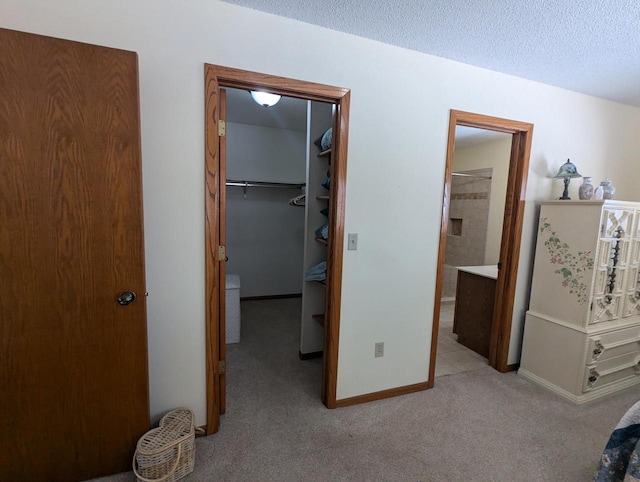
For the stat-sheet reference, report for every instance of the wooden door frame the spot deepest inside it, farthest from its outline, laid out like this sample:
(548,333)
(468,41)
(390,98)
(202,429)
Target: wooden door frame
(522,133)
(216,77)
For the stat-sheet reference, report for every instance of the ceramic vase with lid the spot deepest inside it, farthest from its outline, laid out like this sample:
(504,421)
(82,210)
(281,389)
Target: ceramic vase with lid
(585,191)
(608,189)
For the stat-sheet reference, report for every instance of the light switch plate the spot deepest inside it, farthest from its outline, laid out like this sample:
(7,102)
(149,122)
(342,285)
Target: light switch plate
(353,241)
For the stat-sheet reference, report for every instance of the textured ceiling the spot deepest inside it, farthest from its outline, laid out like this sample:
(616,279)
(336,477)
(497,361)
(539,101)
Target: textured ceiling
(589,46)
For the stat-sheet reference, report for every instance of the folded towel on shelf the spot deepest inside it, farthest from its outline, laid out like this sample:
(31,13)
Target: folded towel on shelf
(324,141)
(300,200)
(317,272)
(323,232)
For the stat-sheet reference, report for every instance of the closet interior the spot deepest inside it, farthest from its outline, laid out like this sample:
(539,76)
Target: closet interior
(277,199)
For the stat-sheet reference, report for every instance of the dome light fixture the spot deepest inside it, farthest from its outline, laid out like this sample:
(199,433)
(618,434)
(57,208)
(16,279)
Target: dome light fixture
(265,99)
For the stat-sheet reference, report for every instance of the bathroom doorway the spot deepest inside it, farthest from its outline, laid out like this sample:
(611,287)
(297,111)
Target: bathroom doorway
(507,263)
(476,210)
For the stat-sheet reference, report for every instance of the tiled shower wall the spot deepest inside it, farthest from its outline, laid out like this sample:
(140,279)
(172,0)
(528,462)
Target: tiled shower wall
(468,220)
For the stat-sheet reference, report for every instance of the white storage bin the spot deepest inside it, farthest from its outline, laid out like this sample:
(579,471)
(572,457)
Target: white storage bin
(232,300)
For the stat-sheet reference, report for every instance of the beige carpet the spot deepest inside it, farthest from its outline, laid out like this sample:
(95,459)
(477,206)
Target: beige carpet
(479,425)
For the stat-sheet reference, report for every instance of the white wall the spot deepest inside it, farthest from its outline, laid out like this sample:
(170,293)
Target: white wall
(265,235)
(258,153)
(397,144)
(496,155)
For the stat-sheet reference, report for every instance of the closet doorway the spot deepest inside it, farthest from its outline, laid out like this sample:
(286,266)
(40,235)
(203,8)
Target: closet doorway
(217,79)
(500,330)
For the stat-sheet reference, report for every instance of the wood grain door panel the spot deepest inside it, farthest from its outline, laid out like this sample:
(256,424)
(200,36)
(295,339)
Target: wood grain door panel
(73,362)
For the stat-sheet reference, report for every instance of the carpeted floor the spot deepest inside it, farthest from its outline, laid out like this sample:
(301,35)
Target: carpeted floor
(479,425)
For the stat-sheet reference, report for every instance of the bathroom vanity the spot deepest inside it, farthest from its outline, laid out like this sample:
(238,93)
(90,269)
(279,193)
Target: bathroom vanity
(475,295)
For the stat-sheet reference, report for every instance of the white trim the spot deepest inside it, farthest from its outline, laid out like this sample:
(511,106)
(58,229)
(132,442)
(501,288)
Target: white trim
(587,397)
(592,329)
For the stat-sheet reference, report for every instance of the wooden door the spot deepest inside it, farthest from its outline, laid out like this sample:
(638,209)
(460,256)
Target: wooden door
(73,360)
(222,265)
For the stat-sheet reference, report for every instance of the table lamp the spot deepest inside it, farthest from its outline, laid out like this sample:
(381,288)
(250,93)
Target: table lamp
(566,172)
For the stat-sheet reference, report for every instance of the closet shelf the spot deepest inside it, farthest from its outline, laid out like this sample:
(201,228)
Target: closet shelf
(323,282)
(319,319)
(322,241)
(322,198)
(326,153)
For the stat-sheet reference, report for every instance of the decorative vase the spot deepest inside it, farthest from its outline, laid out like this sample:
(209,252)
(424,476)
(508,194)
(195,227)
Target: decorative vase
(597,193)
(585,191)
(608,189)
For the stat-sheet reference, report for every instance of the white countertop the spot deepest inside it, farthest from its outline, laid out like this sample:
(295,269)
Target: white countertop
(489,271)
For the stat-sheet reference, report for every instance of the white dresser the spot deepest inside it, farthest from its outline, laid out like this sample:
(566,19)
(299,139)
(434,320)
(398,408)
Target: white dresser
(582,330)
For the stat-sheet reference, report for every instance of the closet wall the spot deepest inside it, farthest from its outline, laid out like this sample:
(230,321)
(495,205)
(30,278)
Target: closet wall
(265,234)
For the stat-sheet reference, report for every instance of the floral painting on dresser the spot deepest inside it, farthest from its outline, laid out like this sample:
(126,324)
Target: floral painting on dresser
(571,265)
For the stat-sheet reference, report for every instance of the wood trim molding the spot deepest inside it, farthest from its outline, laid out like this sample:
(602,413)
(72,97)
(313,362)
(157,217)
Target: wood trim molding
(212,281)
(510,249)
(218,76)
(522,133)
(393,392)
(444,224)
(337,203)
(242,79)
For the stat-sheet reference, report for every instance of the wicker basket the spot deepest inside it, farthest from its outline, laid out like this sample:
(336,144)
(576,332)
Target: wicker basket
(167,453)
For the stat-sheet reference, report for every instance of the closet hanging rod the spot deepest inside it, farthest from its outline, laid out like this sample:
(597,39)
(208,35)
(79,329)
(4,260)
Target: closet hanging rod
(462,174)
(281,185)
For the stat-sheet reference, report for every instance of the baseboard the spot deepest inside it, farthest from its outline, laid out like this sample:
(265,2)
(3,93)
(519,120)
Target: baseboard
(270,297)
(392,392)
(549,386)
(309,356)
(586,397)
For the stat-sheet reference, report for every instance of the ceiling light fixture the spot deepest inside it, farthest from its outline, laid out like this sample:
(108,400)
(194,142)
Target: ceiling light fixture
(265,99)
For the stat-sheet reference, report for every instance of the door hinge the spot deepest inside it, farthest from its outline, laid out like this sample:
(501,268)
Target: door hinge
(222,367)
(222,128)
(222,253)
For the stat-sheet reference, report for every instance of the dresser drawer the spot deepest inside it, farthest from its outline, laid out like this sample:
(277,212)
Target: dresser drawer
(606,372)
(613,344)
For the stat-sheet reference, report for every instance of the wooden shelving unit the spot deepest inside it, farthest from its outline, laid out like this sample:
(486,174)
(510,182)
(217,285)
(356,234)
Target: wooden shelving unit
(319,319)
(314,298)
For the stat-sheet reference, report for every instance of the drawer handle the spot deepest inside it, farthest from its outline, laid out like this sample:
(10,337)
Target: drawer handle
(615,256)
(597,351)
(593,377)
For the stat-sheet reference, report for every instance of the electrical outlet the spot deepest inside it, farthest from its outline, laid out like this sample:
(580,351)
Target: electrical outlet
(379,349)
(353,241)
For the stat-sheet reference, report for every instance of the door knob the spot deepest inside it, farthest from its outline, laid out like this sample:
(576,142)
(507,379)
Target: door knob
(126,297)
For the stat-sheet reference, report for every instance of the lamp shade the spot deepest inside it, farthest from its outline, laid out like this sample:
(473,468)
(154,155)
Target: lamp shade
(567,170)
(265,99)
